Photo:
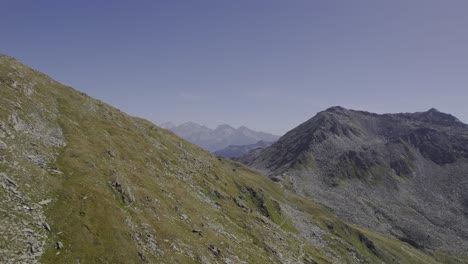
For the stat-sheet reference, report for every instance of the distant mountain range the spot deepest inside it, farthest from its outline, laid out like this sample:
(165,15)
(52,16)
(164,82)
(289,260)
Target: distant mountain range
(234,151)
(218,138)
(404,175)
(82,182)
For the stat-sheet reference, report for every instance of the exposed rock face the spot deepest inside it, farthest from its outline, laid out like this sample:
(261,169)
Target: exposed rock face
(28,143)
(82,182)
(402,174)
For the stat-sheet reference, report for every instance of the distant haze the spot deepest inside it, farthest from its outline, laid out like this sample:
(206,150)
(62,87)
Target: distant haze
(268,65)
(220,137)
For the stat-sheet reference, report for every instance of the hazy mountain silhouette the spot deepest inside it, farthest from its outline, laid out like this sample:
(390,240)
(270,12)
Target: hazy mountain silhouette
(218,138)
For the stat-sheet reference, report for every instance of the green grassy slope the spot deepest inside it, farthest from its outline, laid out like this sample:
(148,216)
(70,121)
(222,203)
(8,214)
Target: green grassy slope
(122,190)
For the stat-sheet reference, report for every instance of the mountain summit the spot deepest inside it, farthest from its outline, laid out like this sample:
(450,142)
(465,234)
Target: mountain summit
(401,174)
(219,138)
(82,182)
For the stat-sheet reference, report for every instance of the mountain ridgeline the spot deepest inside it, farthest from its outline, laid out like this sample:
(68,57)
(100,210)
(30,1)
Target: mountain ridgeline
(404,175)
(235,151)
(220,137)
(82,182)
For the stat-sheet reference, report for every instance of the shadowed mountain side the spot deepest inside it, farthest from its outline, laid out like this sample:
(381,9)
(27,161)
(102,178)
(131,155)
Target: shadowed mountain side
(404,175)
(235,151)
(82,182)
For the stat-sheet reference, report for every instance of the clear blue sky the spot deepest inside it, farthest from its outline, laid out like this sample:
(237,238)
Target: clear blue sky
(266,64)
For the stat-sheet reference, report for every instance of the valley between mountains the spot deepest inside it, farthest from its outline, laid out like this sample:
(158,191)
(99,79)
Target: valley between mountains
(83,182)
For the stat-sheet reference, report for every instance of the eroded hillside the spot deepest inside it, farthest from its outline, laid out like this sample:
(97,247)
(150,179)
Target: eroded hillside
(82,182)
(404,175)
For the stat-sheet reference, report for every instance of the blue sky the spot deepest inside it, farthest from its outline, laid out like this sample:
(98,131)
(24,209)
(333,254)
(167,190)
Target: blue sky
(266,64)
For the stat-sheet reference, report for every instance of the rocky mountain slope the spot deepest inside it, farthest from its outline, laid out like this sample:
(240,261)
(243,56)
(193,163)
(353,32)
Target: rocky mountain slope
(404,175)
(218,138)
(82,182)
(235,151)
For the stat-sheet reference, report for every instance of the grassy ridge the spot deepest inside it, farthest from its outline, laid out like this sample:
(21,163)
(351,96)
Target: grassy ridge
(126,191)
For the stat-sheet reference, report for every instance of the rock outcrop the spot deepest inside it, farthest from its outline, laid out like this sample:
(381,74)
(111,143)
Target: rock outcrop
(82,182)
(404,175)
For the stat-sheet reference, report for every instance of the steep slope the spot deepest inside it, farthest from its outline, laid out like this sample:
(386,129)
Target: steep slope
(235,151)
(404,175)
(218,138)
(82,182)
